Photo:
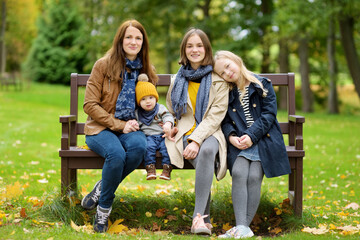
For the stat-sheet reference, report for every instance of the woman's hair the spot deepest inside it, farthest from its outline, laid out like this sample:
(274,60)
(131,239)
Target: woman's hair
(208,59)
(116,54)
(245,74)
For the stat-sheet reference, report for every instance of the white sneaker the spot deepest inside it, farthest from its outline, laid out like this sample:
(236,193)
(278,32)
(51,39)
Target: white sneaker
(238,232)
(229,233)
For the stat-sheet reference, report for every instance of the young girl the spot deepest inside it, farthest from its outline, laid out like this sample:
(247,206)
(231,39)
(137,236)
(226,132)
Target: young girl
(111,129)
(199,99)
(255,142)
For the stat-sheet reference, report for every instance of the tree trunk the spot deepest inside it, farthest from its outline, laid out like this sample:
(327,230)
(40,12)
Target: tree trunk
(284,68)
(346,24)
(167,46)
(307,97)
(2,38)
(333,96)
(266,9)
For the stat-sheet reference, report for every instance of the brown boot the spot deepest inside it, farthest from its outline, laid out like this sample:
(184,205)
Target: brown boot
(166,173)
(151,172)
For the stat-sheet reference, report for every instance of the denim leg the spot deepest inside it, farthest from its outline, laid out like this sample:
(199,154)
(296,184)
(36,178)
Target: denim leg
(118,161)
(163,151)
(134,144)
(151,150)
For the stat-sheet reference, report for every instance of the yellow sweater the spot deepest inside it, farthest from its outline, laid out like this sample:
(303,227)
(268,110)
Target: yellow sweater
(193,89)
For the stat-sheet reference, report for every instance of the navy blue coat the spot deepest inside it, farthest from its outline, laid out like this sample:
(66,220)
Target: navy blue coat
(265,130)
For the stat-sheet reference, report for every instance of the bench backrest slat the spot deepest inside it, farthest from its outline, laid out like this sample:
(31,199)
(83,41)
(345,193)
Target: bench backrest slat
(281,79)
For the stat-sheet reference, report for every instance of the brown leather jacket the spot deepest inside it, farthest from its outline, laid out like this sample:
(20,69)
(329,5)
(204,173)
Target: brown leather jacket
(100,99)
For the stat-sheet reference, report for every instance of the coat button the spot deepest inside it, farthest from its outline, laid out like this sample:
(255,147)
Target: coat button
(234,122)
(234,110)
(268,135)
(254,105)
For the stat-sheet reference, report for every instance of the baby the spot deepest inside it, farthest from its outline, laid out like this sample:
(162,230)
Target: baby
(156,122)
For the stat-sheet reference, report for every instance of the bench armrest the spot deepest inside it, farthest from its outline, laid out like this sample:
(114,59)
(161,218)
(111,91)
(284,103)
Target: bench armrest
(296,119)
(296,131)
(67,118)
(68,123)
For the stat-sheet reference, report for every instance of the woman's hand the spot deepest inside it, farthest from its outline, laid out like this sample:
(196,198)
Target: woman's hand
(191,150)
(131,126)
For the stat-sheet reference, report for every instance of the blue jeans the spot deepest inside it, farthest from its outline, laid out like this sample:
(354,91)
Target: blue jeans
(123,153)
(156,142)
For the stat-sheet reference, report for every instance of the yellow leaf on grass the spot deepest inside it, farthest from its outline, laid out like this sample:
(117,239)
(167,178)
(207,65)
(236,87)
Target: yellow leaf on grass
(140,188)
(332,226)
(117,227)
(342,214)
(226,226)
(276,230)
(74,226)
(12,191)
(148,214)
(277,211)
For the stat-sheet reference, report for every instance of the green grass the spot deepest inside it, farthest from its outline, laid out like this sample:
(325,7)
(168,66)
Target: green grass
(29,143)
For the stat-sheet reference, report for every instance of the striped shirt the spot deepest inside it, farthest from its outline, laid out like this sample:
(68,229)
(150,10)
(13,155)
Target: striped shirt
(245,105)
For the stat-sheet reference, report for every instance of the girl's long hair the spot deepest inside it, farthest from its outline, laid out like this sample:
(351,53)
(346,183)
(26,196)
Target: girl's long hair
(116,54)
(245,74)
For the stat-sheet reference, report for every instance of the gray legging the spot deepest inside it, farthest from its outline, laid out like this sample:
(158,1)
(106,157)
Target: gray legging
(246,189)
(204,171)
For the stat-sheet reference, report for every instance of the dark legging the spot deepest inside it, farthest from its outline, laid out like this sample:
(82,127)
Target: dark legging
(246,189)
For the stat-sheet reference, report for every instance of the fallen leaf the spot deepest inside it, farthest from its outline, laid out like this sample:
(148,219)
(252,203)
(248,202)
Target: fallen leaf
(74,226)
(148,214)
(44,180)
(171,218)
(156,227)
(277,211)
(23,213)
(226,226)
(160,212)
(317,231)
(117,227)
(353,206)
(276,230)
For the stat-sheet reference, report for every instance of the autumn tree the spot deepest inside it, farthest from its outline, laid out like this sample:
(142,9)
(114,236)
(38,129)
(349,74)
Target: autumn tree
(59,49)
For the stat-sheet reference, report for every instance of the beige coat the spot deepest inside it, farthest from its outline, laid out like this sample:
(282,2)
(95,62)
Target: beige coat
(209,126)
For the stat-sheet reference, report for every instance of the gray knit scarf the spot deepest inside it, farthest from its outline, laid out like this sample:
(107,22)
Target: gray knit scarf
(180,90)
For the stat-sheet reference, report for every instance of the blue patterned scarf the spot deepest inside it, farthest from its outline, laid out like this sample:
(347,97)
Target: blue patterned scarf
(180,90)
(125,103)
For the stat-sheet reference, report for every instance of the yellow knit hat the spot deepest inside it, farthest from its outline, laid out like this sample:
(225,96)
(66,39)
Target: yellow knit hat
(144,88)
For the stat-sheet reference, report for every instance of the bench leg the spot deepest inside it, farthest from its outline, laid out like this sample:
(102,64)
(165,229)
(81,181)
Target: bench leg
(68,178)
(299,187)
(296,187)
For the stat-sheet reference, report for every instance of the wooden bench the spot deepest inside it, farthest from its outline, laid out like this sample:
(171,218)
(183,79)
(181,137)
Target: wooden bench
(73,157)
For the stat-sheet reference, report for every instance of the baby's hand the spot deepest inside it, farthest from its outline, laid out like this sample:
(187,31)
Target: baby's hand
(167,130)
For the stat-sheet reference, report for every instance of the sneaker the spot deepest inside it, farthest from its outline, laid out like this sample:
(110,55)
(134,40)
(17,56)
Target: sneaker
(101,219)
(166,173)
(238,232)
(91,200)
(199,226)
(151,172)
